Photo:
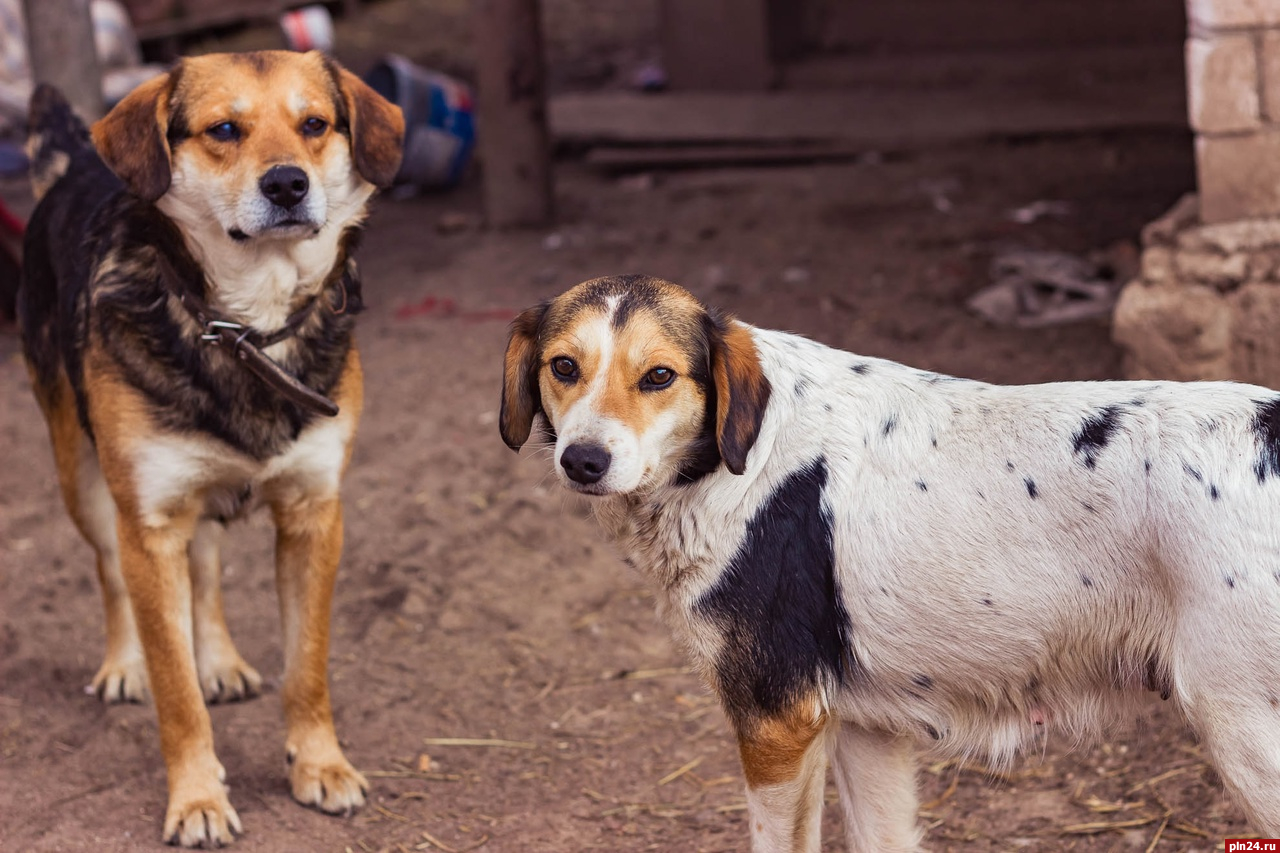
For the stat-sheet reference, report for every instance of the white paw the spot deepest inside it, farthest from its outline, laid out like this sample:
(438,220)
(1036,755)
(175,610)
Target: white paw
(201,816)
(120,680)
(331,785)
(227,678)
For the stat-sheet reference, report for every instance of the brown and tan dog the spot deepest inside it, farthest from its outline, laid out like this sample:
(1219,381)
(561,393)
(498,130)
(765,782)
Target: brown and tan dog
(187,311)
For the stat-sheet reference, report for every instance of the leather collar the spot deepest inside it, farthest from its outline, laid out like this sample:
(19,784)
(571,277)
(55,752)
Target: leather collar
(246,344)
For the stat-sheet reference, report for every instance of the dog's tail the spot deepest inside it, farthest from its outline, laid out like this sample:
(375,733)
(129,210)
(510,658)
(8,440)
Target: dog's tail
(55,134)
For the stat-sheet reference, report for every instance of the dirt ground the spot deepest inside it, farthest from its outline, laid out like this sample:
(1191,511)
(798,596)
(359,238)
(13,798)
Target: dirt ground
(477,601)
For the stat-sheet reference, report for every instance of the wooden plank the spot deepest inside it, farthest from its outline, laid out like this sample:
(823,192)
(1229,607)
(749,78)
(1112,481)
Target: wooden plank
(515,148)
(889,25)
(872,119)
(629,158)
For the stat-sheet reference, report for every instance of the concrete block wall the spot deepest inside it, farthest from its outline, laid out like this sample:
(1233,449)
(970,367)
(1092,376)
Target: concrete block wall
(1233,97)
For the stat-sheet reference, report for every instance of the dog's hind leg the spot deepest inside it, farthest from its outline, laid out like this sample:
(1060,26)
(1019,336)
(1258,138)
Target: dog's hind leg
(875,775)
(1227,678)
(123,674)
(224,675)
(784,759)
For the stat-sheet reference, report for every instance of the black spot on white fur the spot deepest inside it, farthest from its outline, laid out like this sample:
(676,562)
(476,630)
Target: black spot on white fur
(1266,426)
(860,368)
(1094,434)
(1192,473)
(778,604)
(922,485)
(1031,488)
(889,424)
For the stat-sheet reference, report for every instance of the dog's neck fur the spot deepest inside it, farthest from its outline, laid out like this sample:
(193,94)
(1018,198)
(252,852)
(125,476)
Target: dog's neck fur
(260,282)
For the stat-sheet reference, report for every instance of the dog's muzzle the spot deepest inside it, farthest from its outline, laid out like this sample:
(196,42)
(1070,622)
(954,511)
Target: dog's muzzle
(585,463)
(284,186)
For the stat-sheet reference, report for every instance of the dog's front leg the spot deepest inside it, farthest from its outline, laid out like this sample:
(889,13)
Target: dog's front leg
(154,561)
(876,777)
(785,762)
(308,546)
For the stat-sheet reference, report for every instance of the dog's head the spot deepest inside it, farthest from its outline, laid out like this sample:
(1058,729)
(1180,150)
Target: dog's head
(269,145)
(641,384)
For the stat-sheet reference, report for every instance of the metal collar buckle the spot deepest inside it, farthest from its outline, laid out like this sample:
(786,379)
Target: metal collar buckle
(212,333)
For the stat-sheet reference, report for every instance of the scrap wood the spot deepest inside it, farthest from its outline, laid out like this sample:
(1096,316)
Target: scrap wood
(386,812)
(1168,774)
(1094,804)
(479,741)
(676,774)
(432,841)
(1104,826)
(1155,839)
(623,158)
(413,774)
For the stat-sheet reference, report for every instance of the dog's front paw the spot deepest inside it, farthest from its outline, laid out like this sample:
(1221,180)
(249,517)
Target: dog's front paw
(201,816)
(327,781)
(227,678)
(120,679)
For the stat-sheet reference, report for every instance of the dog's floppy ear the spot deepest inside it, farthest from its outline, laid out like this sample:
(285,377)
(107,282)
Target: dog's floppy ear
(521,399)
(377,128)
(132,138)
(742,390)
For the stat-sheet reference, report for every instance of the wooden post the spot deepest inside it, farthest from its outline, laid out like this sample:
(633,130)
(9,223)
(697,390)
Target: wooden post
(515,147)
(61,49)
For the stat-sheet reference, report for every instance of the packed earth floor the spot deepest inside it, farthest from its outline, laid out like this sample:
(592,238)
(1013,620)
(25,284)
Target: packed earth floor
(477,601)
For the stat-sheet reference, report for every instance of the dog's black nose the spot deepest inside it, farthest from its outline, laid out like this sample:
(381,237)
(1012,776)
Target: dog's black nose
(585,463)
(284,186)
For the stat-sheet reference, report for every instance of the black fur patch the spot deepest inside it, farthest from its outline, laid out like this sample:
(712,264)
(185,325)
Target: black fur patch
(1094,434)
(778,604)
(1266,426)
(89,217)
(1031,488)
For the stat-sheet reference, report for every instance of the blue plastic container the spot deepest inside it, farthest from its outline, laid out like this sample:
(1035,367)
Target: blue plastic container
(438,118)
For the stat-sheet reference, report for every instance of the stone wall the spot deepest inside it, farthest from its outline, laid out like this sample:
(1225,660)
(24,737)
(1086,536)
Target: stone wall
(1207,303)
(1233,96)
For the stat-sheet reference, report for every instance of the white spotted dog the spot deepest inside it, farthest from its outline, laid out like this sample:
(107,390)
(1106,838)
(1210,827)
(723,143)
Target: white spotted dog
(863,559)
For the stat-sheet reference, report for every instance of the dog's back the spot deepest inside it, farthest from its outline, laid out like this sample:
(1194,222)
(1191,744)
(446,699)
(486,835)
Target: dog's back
(71,185)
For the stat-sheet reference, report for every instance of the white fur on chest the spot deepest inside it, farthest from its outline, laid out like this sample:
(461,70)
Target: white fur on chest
(168,469)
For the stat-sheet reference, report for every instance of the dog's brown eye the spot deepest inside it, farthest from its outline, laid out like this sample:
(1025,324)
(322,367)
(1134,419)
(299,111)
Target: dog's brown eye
(314,126)
(659,377)
(564,368)
(224,131)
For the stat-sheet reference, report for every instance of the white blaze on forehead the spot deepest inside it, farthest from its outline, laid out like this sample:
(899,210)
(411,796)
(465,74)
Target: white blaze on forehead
(240,105)
(297,102)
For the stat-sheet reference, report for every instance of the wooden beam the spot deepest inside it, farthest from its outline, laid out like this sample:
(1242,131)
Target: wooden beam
(511,98)
(60,46)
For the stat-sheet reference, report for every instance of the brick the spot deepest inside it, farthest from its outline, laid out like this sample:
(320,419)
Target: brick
(1219,14)
(1179,333)
(1157,264)
(1239,176)
(1271,75)
(1222,84)
(1228,238)
(1211,268)
(1255,346)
